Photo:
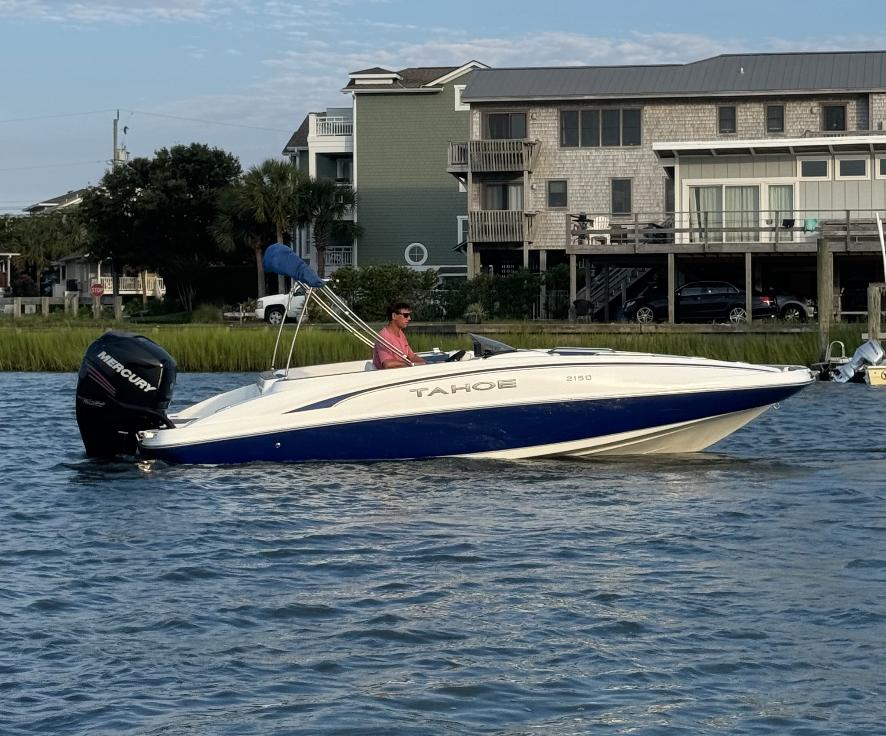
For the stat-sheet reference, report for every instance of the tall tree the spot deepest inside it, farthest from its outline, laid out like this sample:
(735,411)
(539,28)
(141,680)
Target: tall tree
(323,204)
(42,239)
(158,213)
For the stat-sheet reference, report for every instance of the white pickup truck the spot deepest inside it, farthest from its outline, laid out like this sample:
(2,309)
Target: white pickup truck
(272,308)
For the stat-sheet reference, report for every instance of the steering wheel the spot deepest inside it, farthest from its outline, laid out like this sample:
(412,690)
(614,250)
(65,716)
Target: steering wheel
(455,357)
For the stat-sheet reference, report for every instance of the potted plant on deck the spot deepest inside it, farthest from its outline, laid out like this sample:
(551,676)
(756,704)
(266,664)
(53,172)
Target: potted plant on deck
(474,313)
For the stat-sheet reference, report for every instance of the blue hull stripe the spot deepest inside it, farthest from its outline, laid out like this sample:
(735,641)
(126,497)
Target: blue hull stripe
(471,431)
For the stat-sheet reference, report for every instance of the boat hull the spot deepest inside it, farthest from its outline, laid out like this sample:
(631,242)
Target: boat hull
(661,423)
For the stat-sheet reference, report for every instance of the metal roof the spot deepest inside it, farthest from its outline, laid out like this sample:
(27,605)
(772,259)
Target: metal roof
(729,74)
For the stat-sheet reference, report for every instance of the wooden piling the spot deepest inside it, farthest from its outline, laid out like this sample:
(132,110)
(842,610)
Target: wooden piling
(875,293)
(825,295)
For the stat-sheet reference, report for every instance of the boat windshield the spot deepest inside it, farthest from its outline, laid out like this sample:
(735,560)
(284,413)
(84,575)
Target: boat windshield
(485,347)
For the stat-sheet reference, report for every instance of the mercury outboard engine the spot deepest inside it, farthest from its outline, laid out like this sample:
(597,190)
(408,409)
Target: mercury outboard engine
(125,385)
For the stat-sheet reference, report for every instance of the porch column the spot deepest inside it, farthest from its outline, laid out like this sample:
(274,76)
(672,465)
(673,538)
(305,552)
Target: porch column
(573,274)
(470,257)
(607,296)
(748,287)
(44,306)
(672,283)
(543,292)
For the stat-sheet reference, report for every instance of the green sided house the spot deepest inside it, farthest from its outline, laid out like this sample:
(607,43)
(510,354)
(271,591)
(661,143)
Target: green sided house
(412,212)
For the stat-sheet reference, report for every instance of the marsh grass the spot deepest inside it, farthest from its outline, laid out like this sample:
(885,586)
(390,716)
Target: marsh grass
(60,347)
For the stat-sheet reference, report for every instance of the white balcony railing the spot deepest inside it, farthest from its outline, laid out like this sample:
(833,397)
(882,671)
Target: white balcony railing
(152,286)
(338,256)
(334,126)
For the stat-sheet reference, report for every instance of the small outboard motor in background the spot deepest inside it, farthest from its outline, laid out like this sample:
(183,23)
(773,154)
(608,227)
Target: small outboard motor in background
(869,353)
(125,385)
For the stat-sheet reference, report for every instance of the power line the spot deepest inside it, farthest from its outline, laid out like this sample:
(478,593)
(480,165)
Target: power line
(207,122)
(50,117)
(150,114)
(52,166)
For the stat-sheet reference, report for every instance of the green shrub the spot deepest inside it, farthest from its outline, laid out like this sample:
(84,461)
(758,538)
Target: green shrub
(207,314)
(370,289)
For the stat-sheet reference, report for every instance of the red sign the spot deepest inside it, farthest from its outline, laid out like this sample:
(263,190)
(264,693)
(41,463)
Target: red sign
(96,289)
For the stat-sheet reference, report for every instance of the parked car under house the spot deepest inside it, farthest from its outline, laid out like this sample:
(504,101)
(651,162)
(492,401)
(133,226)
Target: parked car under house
(700,301)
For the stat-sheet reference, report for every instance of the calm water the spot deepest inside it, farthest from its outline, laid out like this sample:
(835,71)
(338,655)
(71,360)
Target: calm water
(738,591)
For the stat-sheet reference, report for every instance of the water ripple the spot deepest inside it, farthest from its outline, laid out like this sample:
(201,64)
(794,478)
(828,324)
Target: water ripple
(735,591)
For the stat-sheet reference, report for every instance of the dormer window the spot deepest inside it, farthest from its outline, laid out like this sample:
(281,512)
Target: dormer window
(375,76)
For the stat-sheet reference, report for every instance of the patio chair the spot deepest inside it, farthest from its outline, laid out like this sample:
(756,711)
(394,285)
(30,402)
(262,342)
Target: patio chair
(601,222)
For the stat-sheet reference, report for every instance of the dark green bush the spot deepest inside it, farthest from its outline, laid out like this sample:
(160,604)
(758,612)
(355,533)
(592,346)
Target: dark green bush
(369,289)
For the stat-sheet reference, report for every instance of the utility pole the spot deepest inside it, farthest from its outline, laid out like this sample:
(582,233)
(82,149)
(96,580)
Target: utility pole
(119,154)
(114,155)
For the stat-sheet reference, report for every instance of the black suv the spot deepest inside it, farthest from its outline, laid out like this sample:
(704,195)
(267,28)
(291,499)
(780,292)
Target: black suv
(700,301)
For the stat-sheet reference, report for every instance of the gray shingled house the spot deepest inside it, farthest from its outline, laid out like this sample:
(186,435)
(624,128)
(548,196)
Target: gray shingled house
(729,167)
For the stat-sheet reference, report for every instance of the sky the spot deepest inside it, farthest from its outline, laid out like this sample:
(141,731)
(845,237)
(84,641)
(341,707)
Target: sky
(241,74)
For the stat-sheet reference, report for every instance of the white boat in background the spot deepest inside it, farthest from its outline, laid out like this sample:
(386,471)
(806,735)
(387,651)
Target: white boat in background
(492,402)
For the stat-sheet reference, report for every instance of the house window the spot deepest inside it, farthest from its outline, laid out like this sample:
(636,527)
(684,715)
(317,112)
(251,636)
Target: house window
(503,197)
(610,129)
(669,191)
(461,229)
(416,254)
(852,167)
(726,119)
(343,169)
(506,125)
(775,118)
(590,128)
(621,196)
(880,169)
(459,105)
(815,168)
(630,127)
(569,128)
(833,117)
(557,191)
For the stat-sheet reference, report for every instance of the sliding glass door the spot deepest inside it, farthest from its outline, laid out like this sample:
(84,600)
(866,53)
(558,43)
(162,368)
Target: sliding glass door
(742,210)
(721,213)
(706,213)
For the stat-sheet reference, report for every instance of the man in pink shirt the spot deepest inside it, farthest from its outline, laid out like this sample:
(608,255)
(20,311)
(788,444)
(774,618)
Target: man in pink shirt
(394,334)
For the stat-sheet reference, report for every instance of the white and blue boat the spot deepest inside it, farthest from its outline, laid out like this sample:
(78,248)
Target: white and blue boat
(492,402)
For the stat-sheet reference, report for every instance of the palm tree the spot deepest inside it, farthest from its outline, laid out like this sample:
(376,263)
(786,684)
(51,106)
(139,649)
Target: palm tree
(322,204)
(269,195)
(235,227)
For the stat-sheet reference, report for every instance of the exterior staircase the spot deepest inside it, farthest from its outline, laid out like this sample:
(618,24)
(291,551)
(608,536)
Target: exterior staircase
(620,280)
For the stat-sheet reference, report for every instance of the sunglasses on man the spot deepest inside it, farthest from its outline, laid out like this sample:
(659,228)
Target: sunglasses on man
(405,315)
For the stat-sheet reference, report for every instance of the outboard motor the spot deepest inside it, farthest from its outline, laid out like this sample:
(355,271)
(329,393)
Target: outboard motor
(869,353)
(125,385)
